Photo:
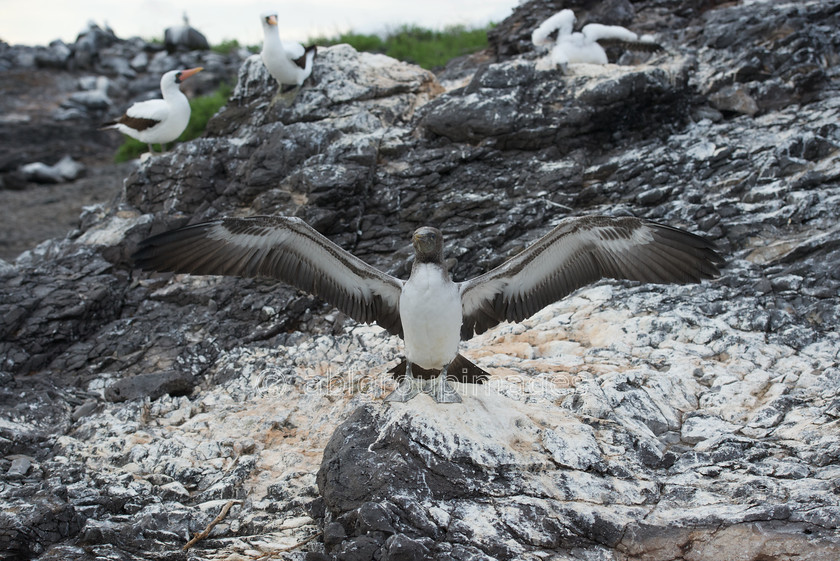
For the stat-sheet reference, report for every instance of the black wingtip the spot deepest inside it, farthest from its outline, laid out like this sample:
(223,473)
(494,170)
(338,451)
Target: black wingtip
(151,253)
(704,249)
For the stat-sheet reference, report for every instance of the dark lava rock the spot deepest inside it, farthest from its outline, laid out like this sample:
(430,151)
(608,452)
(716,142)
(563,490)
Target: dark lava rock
(151,385)
(635,421)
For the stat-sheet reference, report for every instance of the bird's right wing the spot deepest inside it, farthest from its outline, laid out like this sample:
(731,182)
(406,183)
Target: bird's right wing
(282,248)
(546,33)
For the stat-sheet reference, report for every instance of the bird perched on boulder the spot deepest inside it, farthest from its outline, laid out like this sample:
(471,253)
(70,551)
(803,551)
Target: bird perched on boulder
(429,311)
(158,121)
(289,63)
(587,45)
(184,37)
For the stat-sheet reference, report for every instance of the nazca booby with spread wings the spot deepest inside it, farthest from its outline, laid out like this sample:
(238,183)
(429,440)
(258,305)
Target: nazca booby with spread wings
(587,45)
(158,121)
(429,311)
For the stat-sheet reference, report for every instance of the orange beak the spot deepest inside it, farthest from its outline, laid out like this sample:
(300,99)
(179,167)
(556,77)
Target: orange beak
(272,20)
(187,73)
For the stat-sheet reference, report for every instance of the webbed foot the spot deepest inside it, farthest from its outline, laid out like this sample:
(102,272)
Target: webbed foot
(438,388)
(285,97)
(408,388)
(441,390)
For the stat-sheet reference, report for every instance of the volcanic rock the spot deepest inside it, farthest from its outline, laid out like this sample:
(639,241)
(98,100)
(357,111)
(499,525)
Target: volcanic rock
(623,422)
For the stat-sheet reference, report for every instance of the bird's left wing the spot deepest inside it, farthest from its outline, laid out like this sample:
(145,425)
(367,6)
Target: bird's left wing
(282,248)
(580,251)
(617,36)
(152,109)
(598,32)
(293,49)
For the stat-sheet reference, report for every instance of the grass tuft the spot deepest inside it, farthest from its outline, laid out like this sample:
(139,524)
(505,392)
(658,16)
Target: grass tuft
(410,43)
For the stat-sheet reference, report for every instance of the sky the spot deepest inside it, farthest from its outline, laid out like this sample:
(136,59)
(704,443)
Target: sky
(37,22)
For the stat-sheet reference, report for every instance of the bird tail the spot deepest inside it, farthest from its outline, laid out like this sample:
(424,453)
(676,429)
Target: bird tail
(308,56)
(461,369)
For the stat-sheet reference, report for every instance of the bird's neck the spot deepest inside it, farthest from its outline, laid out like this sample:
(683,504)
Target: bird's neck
(428,259)
(172,91)
(271,37)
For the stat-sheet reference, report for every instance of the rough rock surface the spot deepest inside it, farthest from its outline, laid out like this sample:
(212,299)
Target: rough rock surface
(624,422)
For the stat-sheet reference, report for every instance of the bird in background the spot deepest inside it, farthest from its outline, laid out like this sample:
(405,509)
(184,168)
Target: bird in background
(429,311)
(587,45)
(290,63)
(158,121)
(184,37)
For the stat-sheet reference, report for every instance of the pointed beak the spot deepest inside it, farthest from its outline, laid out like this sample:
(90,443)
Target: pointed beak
(187,73)
(424,240)
(271,20)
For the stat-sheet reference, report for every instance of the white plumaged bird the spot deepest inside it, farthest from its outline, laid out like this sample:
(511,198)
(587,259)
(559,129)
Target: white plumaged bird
(289,63)
(430,311)
(586,45)
(158,121)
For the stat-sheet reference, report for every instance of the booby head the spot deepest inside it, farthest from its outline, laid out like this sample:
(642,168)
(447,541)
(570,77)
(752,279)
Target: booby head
(181,75)
(269,20)
(428,245)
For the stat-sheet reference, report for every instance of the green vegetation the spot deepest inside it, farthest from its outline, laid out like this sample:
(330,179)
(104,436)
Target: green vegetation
(228,46)
(424,47)
(201,109)
(225,47)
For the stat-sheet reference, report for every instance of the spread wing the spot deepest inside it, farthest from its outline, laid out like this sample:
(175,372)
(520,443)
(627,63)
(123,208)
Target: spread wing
(282,248)
(599,32)
(580,251)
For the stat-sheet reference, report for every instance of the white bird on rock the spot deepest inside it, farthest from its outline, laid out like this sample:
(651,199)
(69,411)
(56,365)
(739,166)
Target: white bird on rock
(289,63)
(586,45)
(429,311)
(158,121)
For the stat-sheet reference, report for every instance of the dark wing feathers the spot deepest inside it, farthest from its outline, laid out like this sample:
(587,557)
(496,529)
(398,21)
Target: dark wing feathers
(636,46)
(580,251)
(136,123)
(301,60)
(282,248)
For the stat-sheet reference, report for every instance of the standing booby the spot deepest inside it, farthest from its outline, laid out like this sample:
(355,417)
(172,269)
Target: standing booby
(586,45)
(289,63)
(429,311)
(158,121)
